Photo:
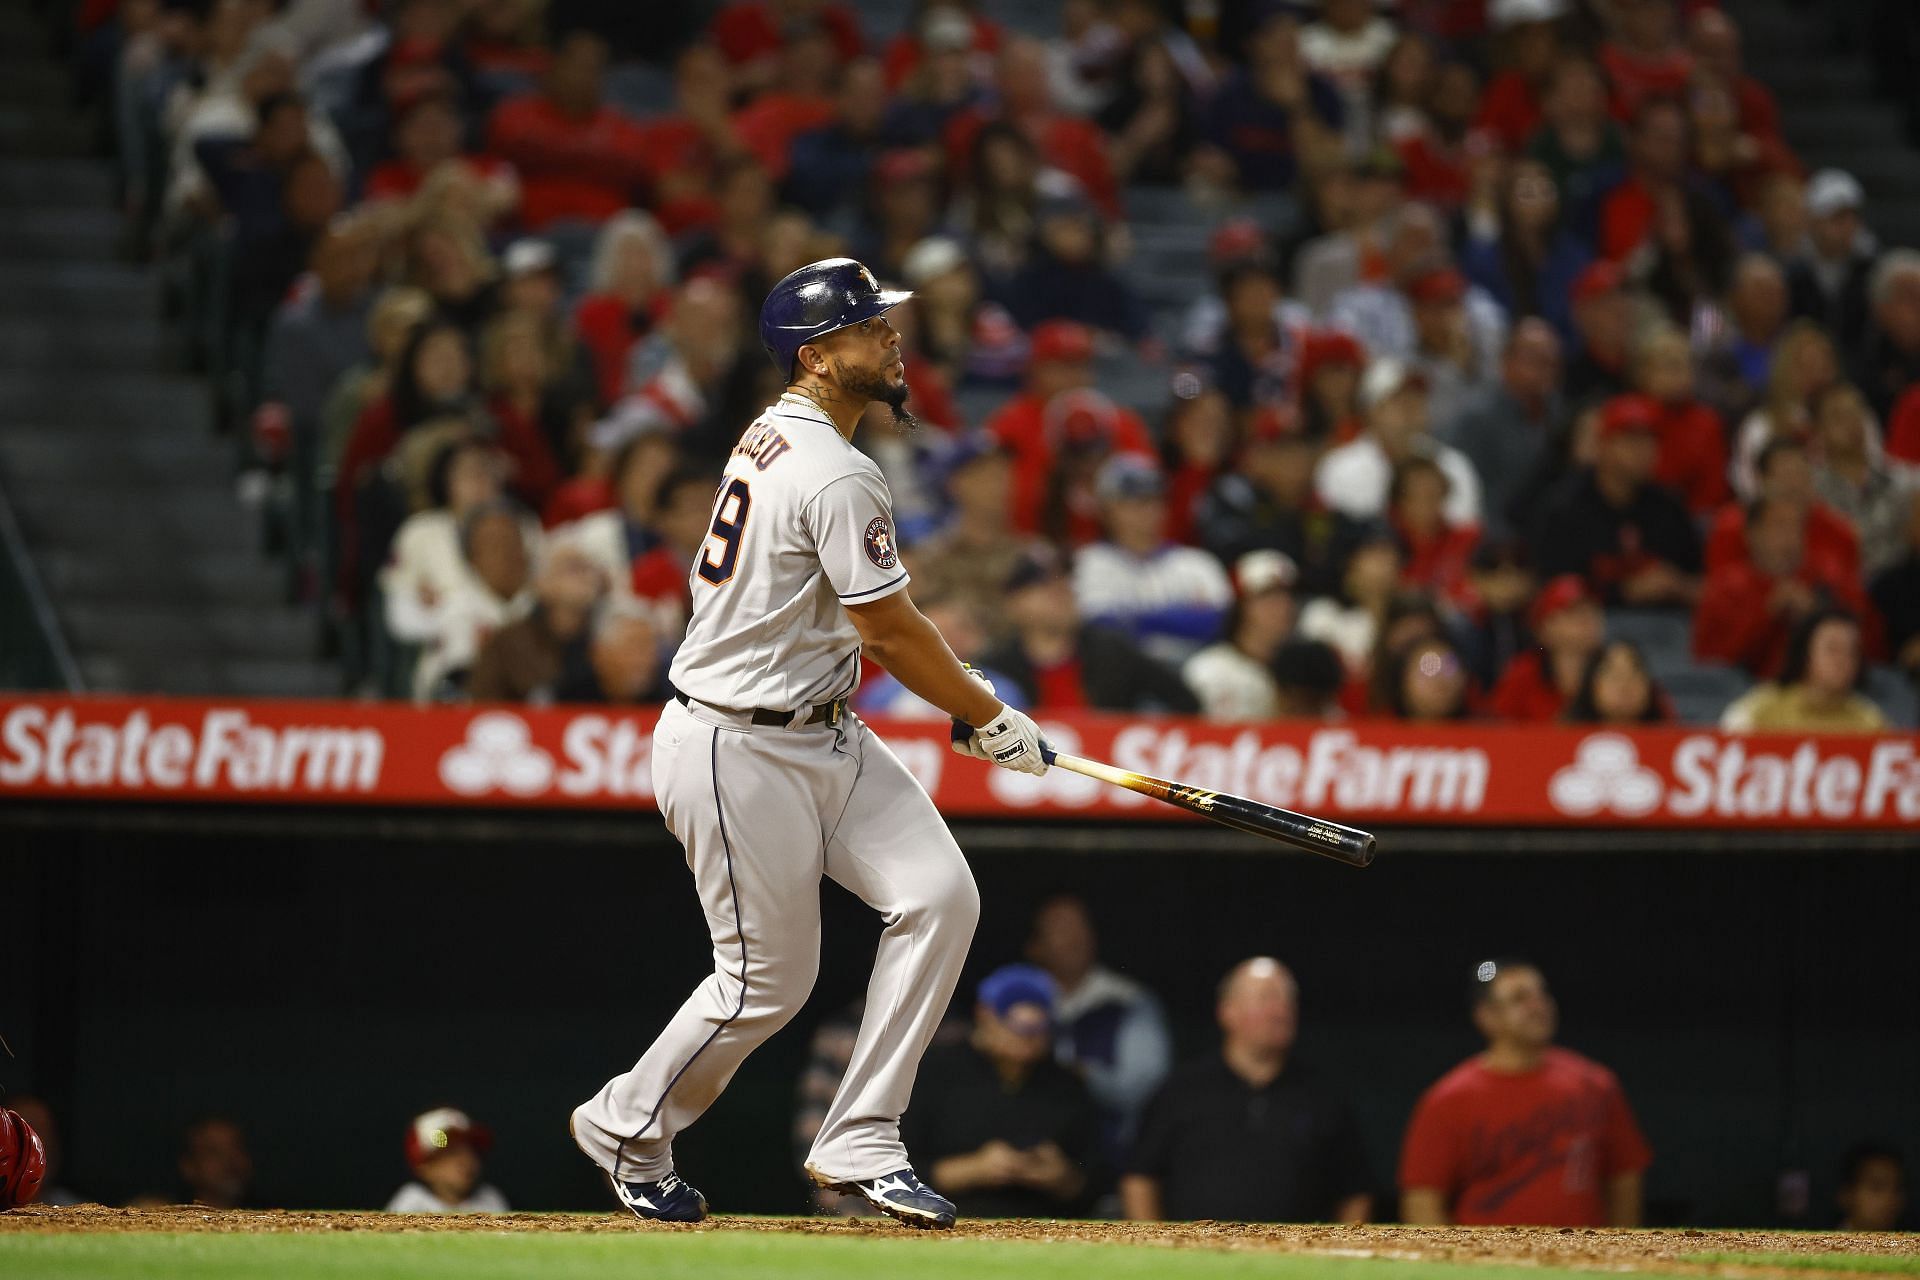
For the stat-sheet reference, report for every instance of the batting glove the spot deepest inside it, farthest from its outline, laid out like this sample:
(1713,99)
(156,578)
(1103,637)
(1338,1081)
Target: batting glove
(1012,741)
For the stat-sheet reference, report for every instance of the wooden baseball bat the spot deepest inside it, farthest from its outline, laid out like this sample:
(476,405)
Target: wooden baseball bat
(1301,831)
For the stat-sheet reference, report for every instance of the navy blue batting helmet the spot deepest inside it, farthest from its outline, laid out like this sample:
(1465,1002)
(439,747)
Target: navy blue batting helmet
(817,299)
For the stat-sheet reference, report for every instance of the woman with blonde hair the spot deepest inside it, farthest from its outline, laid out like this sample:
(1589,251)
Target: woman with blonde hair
(1804,365)
(629,287)
(447,256)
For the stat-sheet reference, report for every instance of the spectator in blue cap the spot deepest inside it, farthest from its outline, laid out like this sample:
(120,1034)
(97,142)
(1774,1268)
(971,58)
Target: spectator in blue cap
(1005,1130)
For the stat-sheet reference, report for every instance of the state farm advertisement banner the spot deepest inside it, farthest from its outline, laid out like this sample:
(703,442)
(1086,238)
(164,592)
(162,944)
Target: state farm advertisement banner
(384,754)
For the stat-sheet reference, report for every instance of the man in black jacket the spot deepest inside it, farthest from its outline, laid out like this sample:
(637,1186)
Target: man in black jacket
(1060,663)
(1609,522)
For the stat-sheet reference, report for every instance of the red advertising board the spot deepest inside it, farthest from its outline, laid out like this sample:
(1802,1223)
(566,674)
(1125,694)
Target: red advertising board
(147,749)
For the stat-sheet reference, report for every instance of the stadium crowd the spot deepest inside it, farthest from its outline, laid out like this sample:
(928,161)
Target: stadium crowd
(1535,377)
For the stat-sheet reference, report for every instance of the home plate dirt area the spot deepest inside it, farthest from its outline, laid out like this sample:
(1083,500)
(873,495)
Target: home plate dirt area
(1671,1252)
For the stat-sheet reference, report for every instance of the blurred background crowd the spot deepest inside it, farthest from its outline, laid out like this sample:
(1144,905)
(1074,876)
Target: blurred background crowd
(1059,1093)
(1438,359)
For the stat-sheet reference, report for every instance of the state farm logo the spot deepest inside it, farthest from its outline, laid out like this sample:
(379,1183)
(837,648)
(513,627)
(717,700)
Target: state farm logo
(498,754)
(1606,773)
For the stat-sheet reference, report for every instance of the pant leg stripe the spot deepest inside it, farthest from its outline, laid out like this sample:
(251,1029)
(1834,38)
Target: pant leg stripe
(734,893)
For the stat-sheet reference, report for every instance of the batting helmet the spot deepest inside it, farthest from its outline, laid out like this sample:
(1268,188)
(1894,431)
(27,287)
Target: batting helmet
(817,299)
(23,1161)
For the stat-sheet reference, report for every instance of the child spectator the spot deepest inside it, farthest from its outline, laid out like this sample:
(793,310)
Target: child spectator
(1540,683)
(1617,689)
(444,1150)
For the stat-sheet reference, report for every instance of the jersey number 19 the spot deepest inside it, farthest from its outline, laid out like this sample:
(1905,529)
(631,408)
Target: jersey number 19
(729,525)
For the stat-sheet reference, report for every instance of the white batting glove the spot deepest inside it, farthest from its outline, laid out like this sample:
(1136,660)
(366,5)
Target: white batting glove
(1012,741)
(968,744)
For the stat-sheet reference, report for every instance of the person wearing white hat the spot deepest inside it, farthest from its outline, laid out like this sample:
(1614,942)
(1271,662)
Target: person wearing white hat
(1829,278)
(1353,479)
(1233,677)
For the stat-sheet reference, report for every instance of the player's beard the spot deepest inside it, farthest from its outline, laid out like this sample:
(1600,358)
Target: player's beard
(872,384)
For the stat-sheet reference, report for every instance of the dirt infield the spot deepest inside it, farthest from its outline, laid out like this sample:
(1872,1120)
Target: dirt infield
(1624,1251)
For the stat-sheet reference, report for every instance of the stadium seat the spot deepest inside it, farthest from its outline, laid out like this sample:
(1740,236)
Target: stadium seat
(1664,637)
(1895,695)
(1701,691)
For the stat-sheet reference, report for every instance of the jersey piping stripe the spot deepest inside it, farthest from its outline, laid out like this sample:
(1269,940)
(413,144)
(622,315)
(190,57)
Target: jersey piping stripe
(733,892)
(875,590)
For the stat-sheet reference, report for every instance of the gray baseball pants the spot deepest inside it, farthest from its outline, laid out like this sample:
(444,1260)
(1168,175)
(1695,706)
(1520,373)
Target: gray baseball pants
(764,812)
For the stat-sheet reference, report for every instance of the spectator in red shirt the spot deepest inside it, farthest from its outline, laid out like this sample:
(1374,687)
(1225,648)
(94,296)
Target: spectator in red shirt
(1693,442)
(1602,323)
(1569,624)
(1329,386)
(1034,426)
(1715,42)
(428,137)
(800,100)
(1658,145)
(628,294)
(754,33)
(684,149)
(1617,688)
(1528,43)
(1434,550)
(1785,470)
(1748,610)
(1527,1132)
(577,157)
(1644,59)
(1072,145)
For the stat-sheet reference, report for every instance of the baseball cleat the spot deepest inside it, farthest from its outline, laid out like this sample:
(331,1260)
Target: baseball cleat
(898,1195)
(668,1200)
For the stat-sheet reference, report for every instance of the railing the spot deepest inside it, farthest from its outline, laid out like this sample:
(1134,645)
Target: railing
(33,649)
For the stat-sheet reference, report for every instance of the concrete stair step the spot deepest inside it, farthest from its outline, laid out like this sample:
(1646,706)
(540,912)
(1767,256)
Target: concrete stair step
(187,520)
(125,345)
(30,182)
(41,131)
(59,232)
(36,454)
(153,575)
(80,291)
(139,403)
(196,630)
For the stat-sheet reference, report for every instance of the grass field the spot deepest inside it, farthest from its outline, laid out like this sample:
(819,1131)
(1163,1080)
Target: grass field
(92,1243)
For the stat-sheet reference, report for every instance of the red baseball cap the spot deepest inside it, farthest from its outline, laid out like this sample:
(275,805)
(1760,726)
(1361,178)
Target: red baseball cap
(1442,284)
(1633,412)
(435,1131)
(1277,423)
(1598,280)
(1235,239)
(1325,347)
(1065,341)
(1563,592)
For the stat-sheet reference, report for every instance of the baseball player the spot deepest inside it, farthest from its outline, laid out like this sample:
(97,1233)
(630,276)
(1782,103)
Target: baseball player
(769,783)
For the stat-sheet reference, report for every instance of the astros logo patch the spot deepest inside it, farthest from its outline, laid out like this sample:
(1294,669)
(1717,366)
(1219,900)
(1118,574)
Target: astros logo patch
(879,540)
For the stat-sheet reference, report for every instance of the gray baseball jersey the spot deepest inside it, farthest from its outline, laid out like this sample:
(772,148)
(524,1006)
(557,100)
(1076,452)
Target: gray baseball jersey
(802,524)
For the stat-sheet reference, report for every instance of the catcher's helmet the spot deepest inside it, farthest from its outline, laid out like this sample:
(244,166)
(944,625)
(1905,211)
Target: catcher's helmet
(23,1161)
(817,299)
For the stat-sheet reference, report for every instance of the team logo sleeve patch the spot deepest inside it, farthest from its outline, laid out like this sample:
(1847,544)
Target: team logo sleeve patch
(879,540)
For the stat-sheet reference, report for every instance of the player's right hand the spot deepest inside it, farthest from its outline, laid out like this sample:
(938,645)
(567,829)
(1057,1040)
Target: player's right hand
(1012,741)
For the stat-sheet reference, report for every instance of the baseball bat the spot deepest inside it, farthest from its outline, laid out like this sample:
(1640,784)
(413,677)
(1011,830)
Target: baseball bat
(1301,831)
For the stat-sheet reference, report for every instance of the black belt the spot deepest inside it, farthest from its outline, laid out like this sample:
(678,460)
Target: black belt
(824,713)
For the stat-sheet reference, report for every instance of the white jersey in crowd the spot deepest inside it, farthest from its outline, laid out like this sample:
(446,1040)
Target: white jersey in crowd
(416,1197)
(802,524)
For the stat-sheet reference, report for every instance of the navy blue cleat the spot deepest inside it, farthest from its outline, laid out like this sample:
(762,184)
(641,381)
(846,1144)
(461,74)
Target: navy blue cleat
(668,1200)
(898,1195)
